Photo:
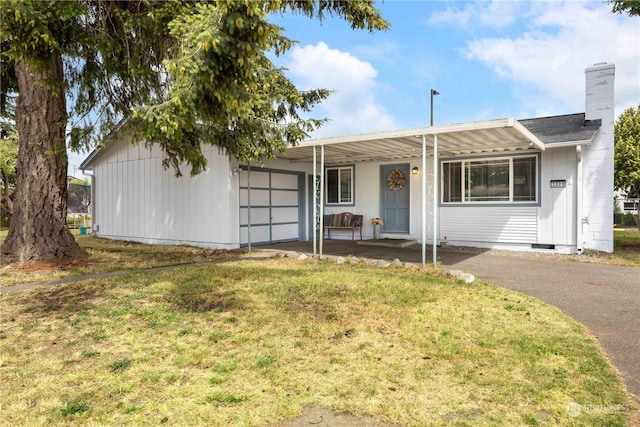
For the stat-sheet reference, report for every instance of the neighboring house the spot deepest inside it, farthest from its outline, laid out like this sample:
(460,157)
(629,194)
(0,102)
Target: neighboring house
(626,204)
(535,184)
(78,196)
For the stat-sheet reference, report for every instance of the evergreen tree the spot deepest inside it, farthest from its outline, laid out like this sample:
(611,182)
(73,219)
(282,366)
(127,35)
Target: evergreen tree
(179,74)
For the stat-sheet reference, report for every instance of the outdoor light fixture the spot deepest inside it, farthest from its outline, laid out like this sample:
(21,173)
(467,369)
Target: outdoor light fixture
(414,170)
(433,93)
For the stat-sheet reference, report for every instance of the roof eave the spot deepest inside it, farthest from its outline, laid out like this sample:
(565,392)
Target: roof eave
(86,164)
(535,141)
(569,143)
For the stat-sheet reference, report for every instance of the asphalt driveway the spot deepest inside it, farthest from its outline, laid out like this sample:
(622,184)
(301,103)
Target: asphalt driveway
(605,298)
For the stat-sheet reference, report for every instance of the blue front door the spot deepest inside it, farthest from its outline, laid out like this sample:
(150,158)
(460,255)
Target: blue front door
(395,198)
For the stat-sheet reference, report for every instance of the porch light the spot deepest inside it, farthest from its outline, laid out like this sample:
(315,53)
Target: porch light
(414,170)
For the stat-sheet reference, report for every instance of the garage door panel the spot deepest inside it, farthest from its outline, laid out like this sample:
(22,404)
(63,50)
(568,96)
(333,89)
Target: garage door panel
(284,232)
(284,215)
(258,216)
(258,197)
(258,179)
(259,234)
(284,181)
(284,198)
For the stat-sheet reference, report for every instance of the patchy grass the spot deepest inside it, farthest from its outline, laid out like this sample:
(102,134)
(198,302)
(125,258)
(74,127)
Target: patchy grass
(627,247)
(626,250)
(108,255)
(111,255)
(253,343)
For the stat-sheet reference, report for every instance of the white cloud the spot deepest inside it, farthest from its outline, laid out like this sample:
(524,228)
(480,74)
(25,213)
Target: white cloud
(563,40)
(353,107)
(495,14)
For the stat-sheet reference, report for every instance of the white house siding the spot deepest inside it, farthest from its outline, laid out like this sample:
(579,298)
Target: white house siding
(138,200)
(368,203)
(598,160)
(489,226)
(557,213)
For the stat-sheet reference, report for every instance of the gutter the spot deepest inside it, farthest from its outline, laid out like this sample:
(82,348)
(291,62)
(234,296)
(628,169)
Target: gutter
(579,198)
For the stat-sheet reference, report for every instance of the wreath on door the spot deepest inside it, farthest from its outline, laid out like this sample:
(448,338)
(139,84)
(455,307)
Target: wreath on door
(395,180)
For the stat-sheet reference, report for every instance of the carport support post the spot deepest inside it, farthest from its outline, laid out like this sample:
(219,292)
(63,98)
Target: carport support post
(424,200)
(321,198)
(318,215)
(315,203)
(435,187)
(249,206)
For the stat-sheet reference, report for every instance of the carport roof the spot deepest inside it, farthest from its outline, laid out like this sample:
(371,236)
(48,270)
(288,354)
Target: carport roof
(474,138)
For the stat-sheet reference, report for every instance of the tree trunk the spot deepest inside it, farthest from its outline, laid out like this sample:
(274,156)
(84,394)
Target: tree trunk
(38,229)
(7,204)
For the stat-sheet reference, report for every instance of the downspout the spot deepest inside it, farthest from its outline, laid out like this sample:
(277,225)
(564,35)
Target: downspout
(579,216)
(93,199)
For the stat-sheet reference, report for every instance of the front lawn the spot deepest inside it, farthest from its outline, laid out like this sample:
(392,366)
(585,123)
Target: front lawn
(253,342)
(108,255)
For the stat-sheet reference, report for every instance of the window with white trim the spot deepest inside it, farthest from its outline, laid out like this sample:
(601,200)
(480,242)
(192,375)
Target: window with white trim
(339,185)
(498,180)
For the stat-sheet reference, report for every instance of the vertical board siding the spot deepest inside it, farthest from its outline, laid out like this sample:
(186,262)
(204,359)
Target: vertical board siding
(558,208)
(503,224)
(139,200)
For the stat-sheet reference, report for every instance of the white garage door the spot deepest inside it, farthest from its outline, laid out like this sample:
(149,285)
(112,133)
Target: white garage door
(272,204)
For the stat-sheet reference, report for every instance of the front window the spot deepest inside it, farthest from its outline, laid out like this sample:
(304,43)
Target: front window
(507,179)
(339,185)
(487,181)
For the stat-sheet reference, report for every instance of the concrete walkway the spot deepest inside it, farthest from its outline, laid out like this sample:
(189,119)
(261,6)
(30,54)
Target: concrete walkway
(605,298)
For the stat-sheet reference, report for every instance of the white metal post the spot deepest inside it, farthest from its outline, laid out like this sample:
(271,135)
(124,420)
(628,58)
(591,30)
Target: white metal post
(435,186)
(424,200)
(315,203)
(321,199)
(249,206)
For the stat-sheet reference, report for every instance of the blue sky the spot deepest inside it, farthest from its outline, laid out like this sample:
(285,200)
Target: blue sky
(488,60)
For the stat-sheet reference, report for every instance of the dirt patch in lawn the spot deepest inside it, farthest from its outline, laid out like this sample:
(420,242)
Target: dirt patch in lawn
(48,266)
(320,416)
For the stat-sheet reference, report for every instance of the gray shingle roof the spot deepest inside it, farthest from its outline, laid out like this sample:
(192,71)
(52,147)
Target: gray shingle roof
(562,129)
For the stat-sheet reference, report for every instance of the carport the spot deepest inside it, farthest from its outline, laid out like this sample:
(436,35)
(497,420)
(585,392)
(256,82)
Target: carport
(500,136)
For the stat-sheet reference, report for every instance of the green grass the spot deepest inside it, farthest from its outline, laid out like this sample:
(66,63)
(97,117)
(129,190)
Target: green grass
(252,343)
(109,255)
(627,247)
